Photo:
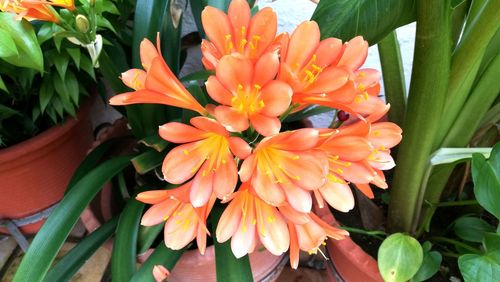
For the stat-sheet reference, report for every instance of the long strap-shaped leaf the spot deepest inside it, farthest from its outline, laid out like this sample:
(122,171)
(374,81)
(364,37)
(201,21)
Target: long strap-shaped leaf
(74,259)
(56,229)
(125,246)
(228,267)
(163,256)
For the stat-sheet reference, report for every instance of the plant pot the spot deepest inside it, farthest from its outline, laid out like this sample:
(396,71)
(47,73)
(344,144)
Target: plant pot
(192,266)
(349,260)
(34,173)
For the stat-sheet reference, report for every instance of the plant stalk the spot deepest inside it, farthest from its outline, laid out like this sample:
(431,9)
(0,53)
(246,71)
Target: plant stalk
(425,104)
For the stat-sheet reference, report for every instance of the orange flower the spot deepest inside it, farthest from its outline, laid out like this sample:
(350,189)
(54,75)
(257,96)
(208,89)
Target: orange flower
(246,219)
(156,85)
(327,72)
(160,273)
(285,167)
(183,221)
(237,32)
(206,154)
(248,93)
(30,10)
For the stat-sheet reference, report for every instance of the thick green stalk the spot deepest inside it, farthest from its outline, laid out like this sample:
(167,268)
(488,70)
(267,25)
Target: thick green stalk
(465,63)
(458,18)
(425,104)
(394,78)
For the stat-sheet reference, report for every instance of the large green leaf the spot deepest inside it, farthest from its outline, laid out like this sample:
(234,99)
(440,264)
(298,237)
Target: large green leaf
(21,31)
(7,45)
(147,236)
(124,254)
(228,267)
(486,185)
(430,264)
(373,19)
(161,255)
(471,229)
(74,259)
(399,257)
(56,229)
(484,268)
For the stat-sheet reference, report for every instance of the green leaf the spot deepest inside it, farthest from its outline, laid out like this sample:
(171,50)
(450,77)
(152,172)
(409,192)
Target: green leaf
(399,257)
(161,255)
(495,159)
(219,4)
(72,86)
(46,93)
(45,33)
(60,60)
(228,267)
(75,54)
(430,266)
(491,242)
(2,85)
(484,268)
(373,19)
(486,185)
(147,236)
(197,7)
(196,76)
(148,161)
(123,258)
(155,142)
(7,45)
(451,155)
(86,65)
(59,224)
(21,31)
(471,229)
(74,259)
(308,112)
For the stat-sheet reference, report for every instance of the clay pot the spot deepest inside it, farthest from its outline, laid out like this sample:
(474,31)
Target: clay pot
(350,261)
(34,173)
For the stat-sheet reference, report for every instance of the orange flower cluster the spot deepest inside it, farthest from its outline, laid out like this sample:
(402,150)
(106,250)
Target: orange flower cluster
(235,151)
(36,9)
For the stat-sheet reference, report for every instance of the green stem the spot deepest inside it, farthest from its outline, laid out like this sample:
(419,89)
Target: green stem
(425,104)
(456,243)
(455,204)
(394,79)
(458,20)
(465,64)
(450,254)
(375,233)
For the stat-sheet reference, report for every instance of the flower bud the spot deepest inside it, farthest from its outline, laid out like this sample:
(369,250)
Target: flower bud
(342,116)
(82,23)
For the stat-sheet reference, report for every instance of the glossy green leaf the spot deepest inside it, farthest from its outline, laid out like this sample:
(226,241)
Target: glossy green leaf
(155,142)
(170,35)
(161,255)
(123,258)
(491,242)
(21,31)
(494,159)
(430,266)
(486,185)
(484,268)
(148,161)
(75,54)
(59,224)
(228,267)
(7,45)
(399,257)
(308,112)
(219,4)
(147,236)
(86,65)
(197,7)
(197,76)
(471,229)
(76,258)
(60,61)
(373,19)
(2,85)
(46,92)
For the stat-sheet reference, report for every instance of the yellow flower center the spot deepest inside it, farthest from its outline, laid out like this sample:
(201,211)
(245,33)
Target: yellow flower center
(230,45)
(310,72)
(245,101)
(270,160)
(215,148)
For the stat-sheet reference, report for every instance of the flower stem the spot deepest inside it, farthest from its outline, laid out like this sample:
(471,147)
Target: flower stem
(456,243)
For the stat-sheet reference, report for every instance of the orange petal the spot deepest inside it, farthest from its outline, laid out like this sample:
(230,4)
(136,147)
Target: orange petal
(355,53)
(229,221)
(292,215)
(141,97)
(181,229)
(181,163)
(329,80)
(152,197)
(308,171)
(148,53)
(202,186)
(303,44)
(225,178)
(338,195)
(217,91)
(277,97)
(294,247)
(244,238)
(310,236)
(382,160)
(357,173)
(233,120)
(367,77)
(301,139)
(247,168)
(262,31)
(365,189)
(217,26)
(332,232)
(239,147)
(201,239)
(266,69)
(209,125)
(267,189)
(271,228)
(328,52)
(234,71)
(134,78)
(160,273)
(177,132)
(298,198)
(386,134)
(159,212)
(264,125)
(348,148)
(210,54)
(239,15)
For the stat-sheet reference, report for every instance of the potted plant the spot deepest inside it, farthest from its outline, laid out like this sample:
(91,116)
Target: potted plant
(48,54)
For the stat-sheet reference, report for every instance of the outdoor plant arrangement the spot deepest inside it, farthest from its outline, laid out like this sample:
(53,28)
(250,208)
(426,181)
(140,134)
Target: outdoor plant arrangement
(229,167)
(48,54)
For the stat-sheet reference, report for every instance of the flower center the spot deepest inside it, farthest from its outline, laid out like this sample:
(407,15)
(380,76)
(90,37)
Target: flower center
(247,101)
(241,43)
(270,160)
(310,72)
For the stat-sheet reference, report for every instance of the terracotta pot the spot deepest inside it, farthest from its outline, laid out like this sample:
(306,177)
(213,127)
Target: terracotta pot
(350,261)
(192,266)
(34,173)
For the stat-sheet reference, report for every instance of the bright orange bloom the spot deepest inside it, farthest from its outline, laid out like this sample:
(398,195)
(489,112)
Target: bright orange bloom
(249,94)
(160,273)
(285,167)
(247,219)
(237,32)
(156,85)
(327,72)
(208,156)
(30,10)
(183,221)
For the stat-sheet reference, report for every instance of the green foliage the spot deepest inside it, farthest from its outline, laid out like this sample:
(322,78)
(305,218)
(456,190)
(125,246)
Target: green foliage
(471,229)
(486,175)
(484,267)
(430,263)
(399,257)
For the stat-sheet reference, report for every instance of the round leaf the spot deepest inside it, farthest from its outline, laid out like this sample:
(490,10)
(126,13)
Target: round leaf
(480,267)
(430,265)
(399,257)
(471,229)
